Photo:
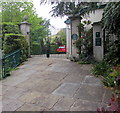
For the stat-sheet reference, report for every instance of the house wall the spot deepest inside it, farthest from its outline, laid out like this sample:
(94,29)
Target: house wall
(95,16)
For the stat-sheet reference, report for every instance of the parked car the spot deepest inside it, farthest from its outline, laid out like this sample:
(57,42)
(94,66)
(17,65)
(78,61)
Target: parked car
(62,49)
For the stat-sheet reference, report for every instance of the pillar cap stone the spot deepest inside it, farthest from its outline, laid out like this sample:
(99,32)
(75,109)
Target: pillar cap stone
(25,18)
(73,17)
(25,22)
(97,23)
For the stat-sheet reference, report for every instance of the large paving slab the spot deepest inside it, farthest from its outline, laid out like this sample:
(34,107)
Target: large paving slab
(14,92)
(47,86)
(30,107)
(73,78)
(90,92)
(63,104)
(83,105)
(67,89)
(91,80)
(11,104)
(53,84)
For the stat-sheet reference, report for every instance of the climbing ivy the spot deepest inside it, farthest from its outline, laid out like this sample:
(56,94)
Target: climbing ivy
(111,17)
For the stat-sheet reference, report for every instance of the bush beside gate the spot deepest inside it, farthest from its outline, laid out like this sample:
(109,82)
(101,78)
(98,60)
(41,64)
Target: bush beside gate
(13,42)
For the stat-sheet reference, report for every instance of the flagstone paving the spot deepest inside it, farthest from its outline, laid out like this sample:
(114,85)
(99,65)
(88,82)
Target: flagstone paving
(53,84)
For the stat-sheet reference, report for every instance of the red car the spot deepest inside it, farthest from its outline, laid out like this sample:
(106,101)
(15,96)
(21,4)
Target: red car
(62,49)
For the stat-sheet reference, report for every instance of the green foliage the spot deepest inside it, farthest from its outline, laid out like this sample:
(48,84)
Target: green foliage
(85,45)
(116,71)
(90,61)
(78,44)
(101,69)
(62,36)
(36,49)
(80,28)
(113,78)
(112,55)
(71,8)
(53,39)
(109,81)
(111,17)
(116,74)
(53,49)
(89,41)
(110,76)
(13,42)
(38,34)
(15,11)
(9,27)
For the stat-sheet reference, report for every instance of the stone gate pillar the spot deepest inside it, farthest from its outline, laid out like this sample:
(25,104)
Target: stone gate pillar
(68,38)
(75,21)
(98,49)
(25,30)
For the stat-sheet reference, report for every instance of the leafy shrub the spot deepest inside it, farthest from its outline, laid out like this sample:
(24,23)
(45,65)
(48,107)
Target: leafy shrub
(8,27)
(36,49)
(116,74)
(85,45)
(87,61)
(110,76)
(101,68)
(113,53)
(13,42)
(78,44)
(109,81)
(53,49)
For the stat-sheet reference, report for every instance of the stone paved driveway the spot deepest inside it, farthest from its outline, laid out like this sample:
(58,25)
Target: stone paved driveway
(53,84)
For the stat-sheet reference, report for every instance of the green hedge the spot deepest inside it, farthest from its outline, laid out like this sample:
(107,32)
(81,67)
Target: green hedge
(101,68)
(53,49)
(13,42)
(36,49)
(8,27)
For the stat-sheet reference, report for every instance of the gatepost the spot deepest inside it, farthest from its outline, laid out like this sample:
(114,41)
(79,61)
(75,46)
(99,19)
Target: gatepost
(25,30)
(98,49)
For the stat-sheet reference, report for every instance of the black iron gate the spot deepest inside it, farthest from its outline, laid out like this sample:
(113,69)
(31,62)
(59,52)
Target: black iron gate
(47,49)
